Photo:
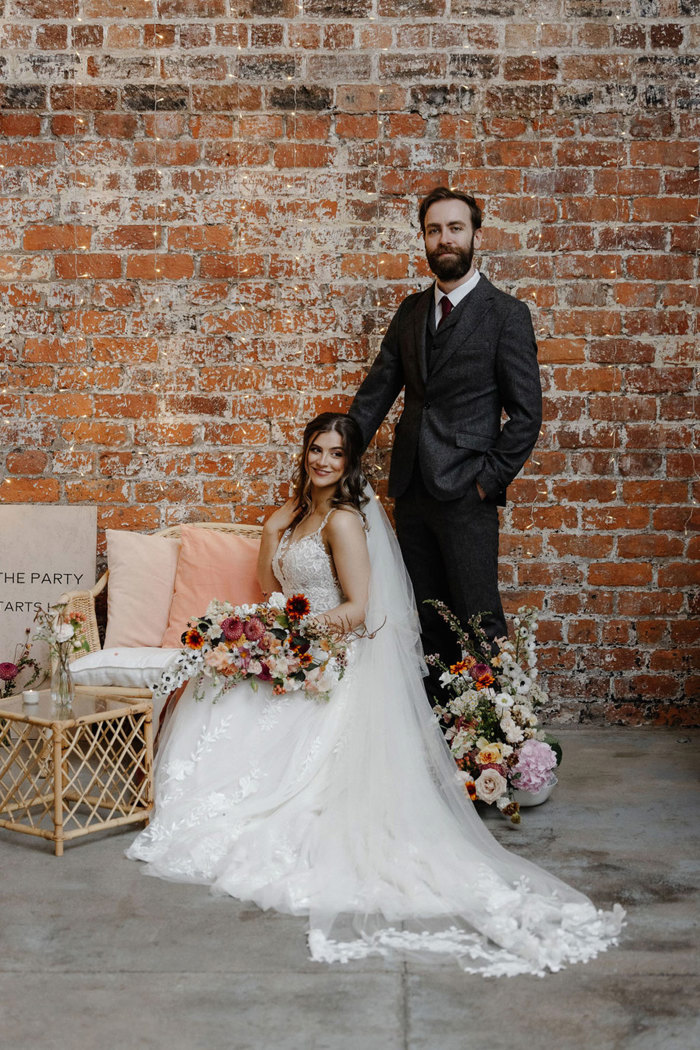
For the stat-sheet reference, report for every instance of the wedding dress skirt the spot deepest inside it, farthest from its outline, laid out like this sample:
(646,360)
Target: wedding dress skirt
(352,811)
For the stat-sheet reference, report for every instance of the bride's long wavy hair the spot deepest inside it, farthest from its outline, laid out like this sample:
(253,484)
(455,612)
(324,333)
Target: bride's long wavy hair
(349,492)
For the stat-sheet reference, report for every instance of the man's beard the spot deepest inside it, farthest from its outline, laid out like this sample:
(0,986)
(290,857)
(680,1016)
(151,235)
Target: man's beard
(450,267)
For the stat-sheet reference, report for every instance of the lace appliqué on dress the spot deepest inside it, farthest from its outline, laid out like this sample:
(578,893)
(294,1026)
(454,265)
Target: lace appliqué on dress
(304,566)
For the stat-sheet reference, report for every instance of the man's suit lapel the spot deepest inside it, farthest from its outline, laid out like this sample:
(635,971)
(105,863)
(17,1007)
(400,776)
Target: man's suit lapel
(460,324)
(420,321)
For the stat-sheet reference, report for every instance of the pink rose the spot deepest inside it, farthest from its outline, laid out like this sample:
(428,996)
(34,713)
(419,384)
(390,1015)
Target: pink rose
(490,785)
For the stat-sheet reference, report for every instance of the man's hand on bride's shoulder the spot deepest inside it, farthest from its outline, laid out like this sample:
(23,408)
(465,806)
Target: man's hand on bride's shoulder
(283,517)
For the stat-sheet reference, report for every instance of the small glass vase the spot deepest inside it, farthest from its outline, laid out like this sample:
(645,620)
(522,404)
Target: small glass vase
(62,685)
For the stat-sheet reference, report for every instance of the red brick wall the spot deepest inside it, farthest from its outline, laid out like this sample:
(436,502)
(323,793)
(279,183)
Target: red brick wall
(207,213)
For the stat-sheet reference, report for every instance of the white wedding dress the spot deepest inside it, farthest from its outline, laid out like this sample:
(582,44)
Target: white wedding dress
(351,811)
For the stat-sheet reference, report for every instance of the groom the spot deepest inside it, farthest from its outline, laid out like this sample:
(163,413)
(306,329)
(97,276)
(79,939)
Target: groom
(464,352)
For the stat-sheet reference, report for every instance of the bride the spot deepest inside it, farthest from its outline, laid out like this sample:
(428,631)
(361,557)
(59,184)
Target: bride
(351,812)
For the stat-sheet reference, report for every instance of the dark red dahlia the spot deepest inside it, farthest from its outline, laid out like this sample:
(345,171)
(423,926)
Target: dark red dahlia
(264,675)
(8,671)
(254,629)
(231,628)
(477,671)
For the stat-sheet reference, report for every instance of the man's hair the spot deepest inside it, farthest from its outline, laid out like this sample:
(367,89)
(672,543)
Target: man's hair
(442,193)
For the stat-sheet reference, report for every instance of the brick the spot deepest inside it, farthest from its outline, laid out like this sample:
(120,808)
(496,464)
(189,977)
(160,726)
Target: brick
(154,267)
(196,238)
(612,518)
(83,98)
(58,351)
(676,519)
(580,546)
(647,686)
(48,9)
(132,237)
(130,406)
(671,209)
(89,432)
(650,546)
(679,574)
(87,265)
(46,238)
(527,67)
(62,406)
(26,125)
(87,36)
(616,574)
(683,632)
(615,632)
(26,461)
(29,490)
(122,37)
(140,519)
(654,491)
(304,155)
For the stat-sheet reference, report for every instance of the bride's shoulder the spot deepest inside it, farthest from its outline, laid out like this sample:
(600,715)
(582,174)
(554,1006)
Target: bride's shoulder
(345,523)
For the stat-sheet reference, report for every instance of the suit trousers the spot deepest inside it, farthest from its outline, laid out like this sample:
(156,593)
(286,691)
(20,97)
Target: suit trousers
(451,552)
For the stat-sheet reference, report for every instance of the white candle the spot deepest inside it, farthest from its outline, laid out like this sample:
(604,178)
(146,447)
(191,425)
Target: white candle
(30,696)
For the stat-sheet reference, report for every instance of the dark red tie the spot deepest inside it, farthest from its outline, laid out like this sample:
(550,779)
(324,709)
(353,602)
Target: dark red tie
(446,307)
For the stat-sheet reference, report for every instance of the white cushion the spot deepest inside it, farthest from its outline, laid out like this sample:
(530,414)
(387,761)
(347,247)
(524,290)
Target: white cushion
(135,668)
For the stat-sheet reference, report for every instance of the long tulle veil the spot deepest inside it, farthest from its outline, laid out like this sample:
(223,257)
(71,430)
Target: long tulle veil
(407,863)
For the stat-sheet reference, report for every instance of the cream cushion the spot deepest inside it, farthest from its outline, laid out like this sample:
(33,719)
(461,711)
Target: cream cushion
(141,579)
(127,668)
(122,666)
(211,565)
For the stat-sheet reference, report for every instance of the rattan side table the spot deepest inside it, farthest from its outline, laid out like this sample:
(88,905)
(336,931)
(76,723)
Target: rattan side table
(67,773)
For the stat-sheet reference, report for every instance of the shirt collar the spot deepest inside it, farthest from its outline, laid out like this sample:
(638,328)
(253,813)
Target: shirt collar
(458,293)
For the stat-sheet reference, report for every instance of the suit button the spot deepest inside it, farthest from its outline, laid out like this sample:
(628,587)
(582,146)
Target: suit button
(427,404)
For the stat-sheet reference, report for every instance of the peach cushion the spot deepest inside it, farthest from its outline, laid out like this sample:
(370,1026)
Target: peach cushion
(141,579)
(211,565)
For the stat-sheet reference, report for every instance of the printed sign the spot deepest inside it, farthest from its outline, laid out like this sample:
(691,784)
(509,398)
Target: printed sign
(44,551)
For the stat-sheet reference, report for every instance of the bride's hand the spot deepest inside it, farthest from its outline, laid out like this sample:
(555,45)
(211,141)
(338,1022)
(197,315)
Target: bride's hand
(283,517)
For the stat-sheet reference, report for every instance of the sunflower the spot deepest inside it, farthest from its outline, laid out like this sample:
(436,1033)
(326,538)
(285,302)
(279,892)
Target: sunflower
(297,606)
(462,665)
(193,639)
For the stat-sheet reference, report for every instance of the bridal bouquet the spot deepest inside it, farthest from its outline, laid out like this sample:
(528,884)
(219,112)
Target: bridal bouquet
(489,718)
(277,641)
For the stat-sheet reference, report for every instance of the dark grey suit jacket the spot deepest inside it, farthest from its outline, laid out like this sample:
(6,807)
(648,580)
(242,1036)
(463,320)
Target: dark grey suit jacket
(483,360)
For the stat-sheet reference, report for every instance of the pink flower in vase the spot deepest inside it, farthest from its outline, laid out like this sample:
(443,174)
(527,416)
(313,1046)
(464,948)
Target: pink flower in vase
(8,671)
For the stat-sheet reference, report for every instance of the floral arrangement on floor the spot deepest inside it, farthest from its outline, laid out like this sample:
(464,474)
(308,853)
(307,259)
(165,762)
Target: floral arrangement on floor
(10,670)
(277,641)
(489,718)
(63,630)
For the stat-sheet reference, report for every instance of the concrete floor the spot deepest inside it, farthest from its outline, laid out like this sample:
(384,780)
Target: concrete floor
(93,954)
